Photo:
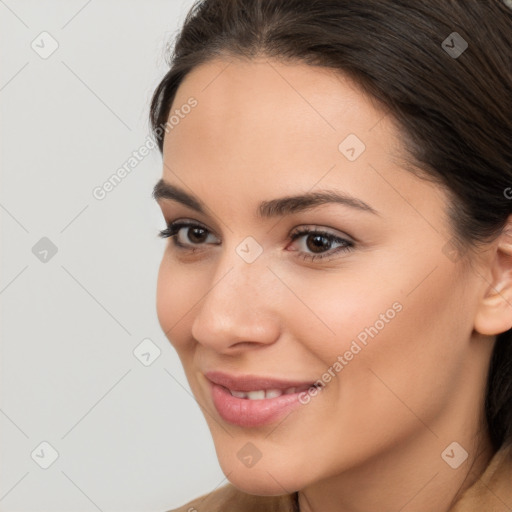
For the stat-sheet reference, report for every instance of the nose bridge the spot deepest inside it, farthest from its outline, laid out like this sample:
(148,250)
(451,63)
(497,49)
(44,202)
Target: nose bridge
(237,306)
(233,280)
(242,271)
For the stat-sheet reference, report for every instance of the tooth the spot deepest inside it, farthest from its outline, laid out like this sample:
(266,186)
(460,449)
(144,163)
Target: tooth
(239,394)
(289,391)
(256,395)
(273,393)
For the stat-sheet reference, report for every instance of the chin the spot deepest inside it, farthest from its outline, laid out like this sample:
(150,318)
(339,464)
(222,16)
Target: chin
(263,479)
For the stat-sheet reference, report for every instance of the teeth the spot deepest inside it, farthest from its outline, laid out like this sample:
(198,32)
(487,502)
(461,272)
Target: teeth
(256,395)
(261,394)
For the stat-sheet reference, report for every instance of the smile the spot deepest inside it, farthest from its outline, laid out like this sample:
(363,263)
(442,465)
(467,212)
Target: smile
(267,393)
(251,401)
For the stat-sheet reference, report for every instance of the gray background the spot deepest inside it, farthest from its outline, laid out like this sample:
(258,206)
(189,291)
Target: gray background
(129,437)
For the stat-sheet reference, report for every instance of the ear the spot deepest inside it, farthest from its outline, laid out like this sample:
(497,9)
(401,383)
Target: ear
(494,313)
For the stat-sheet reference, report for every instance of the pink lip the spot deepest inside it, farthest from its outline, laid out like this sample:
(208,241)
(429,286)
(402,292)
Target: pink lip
(253,383)
(252,413)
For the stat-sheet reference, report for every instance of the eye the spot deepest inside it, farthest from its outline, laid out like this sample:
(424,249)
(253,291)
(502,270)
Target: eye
(186,234)
(318,244)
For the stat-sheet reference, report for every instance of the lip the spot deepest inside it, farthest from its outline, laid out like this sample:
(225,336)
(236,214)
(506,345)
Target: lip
(253,382)
(252,413)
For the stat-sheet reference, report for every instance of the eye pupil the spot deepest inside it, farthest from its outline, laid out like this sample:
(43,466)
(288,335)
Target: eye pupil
(198,234)
(320,242)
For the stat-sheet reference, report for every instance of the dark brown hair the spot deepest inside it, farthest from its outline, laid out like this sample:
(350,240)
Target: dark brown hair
(454,109)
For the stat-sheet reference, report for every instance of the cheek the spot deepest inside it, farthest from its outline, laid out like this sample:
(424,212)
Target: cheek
(340,312)
(391,333)
(415,361)
(175,299)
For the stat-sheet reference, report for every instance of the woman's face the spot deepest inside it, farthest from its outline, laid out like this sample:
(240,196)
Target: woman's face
(382,317)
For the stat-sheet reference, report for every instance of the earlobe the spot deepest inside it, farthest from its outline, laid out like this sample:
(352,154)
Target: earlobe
(494,314)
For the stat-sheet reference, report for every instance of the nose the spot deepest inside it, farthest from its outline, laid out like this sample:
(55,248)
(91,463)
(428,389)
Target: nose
(239,308)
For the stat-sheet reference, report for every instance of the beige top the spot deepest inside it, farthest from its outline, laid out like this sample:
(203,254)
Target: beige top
(492,492)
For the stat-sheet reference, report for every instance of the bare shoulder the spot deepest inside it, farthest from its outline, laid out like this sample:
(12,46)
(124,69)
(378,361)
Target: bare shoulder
(229,499)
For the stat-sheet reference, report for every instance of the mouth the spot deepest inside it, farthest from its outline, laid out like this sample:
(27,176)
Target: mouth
(251,401)
(265,394)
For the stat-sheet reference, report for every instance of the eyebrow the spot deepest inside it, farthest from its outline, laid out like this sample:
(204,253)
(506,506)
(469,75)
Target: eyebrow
(267,209)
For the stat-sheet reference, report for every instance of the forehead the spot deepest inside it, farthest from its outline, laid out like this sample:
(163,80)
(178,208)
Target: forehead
(268,94)
(261,126)
(264,112)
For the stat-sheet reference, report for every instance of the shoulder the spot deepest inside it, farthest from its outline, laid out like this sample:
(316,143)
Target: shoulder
(230,499)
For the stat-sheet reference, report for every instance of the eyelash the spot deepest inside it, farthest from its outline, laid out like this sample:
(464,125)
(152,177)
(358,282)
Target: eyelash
(174,227)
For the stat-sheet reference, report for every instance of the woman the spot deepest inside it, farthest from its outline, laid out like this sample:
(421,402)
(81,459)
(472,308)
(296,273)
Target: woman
(337,185)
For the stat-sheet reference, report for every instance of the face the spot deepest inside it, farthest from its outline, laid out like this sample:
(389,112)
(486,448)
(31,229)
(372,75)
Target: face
(349,297)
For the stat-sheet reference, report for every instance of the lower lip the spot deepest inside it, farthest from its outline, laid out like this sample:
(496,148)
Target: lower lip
(251,413)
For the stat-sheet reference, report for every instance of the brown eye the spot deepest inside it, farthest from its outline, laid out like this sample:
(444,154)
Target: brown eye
(186,234)
(320,244)
(196,234)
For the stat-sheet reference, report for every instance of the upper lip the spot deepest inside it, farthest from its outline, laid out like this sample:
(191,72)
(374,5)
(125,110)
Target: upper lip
(253,382)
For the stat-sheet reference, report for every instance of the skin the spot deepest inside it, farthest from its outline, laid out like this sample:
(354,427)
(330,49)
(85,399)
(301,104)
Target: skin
(372,439)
